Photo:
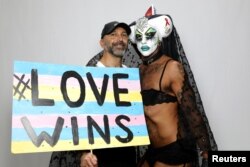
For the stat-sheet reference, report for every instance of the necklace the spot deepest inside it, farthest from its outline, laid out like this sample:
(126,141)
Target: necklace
(152,58)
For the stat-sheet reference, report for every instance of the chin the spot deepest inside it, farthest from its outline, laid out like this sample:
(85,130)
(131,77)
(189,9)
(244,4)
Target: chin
(119,54)
(145,55)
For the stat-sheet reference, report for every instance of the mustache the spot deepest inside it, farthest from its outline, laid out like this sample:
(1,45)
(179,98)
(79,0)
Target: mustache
(119,43)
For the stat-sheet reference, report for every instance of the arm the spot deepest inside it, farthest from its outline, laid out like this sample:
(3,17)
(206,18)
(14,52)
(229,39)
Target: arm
(189,110)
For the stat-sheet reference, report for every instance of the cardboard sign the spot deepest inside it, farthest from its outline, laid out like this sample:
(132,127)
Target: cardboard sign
(63,107)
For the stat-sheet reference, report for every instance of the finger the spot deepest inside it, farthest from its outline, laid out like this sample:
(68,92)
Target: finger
(93,159)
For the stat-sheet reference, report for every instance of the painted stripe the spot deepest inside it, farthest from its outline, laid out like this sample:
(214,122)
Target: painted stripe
(49,121)
(58,69)
(60,108)
(74,94)
(55,81)
(66,145)
(66,134)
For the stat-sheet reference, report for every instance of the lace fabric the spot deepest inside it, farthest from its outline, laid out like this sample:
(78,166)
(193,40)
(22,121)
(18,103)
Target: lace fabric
(65,159)
(193,109)
(151,97)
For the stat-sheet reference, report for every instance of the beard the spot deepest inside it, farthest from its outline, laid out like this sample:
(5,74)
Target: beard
(117,49)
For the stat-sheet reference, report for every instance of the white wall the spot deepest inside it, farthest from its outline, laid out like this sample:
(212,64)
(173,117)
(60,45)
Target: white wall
(215,35)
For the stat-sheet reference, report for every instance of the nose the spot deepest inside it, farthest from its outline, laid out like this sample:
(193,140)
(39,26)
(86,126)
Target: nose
(143,40)
(120,37)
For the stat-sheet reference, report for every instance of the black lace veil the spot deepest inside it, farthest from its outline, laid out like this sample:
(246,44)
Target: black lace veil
(210,144)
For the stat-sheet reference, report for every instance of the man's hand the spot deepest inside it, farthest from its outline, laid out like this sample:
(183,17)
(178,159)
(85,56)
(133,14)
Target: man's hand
(88,160)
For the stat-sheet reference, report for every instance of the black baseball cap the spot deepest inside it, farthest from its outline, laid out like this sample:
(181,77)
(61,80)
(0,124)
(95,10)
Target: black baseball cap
(109,27)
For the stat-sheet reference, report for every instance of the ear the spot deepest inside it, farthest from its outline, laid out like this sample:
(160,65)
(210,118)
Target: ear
(101,43)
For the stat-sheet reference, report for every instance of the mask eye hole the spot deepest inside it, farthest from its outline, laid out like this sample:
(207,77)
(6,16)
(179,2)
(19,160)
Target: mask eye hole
(150,35)
(138,36)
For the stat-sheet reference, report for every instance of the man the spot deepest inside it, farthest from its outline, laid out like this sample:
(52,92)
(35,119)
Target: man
(114,41)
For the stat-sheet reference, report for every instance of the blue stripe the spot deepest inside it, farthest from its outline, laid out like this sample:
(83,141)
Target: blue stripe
(25,67)
(21,135)
(25,108)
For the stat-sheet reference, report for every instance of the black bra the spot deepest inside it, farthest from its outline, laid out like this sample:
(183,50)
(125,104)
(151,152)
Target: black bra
(152,96)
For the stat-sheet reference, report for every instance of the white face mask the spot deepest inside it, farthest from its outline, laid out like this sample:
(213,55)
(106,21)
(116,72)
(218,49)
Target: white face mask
(147,40)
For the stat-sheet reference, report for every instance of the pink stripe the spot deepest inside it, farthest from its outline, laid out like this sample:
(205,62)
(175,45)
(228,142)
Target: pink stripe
(56,81)
(50,121)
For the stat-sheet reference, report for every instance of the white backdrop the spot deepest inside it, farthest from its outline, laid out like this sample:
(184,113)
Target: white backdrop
(215,35)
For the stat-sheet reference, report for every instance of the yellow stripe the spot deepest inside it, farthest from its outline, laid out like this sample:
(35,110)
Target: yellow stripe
(29,147)
(50,92)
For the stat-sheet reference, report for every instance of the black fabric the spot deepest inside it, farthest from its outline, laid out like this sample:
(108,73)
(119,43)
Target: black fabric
(175,153)
(151,97)
(150,59)
(111,26)
(65,159)
(113,157)
(197,119)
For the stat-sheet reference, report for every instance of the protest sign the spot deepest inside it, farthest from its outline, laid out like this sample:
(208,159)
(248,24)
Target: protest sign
(65,107)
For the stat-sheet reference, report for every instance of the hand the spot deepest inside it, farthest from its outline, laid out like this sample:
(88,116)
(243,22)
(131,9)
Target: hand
(204,154)
(88,160)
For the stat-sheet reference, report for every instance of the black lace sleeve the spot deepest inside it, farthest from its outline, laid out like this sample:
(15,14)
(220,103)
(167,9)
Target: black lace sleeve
(192,120)
(191,103)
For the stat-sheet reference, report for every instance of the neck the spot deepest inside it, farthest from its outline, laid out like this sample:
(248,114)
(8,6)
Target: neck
(109,60)
(150,59)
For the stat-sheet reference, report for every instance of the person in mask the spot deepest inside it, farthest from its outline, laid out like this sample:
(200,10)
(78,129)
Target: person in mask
(178,128)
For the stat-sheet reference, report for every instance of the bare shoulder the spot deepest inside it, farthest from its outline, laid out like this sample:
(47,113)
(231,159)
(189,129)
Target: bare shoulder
(175,67)
(175,70)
